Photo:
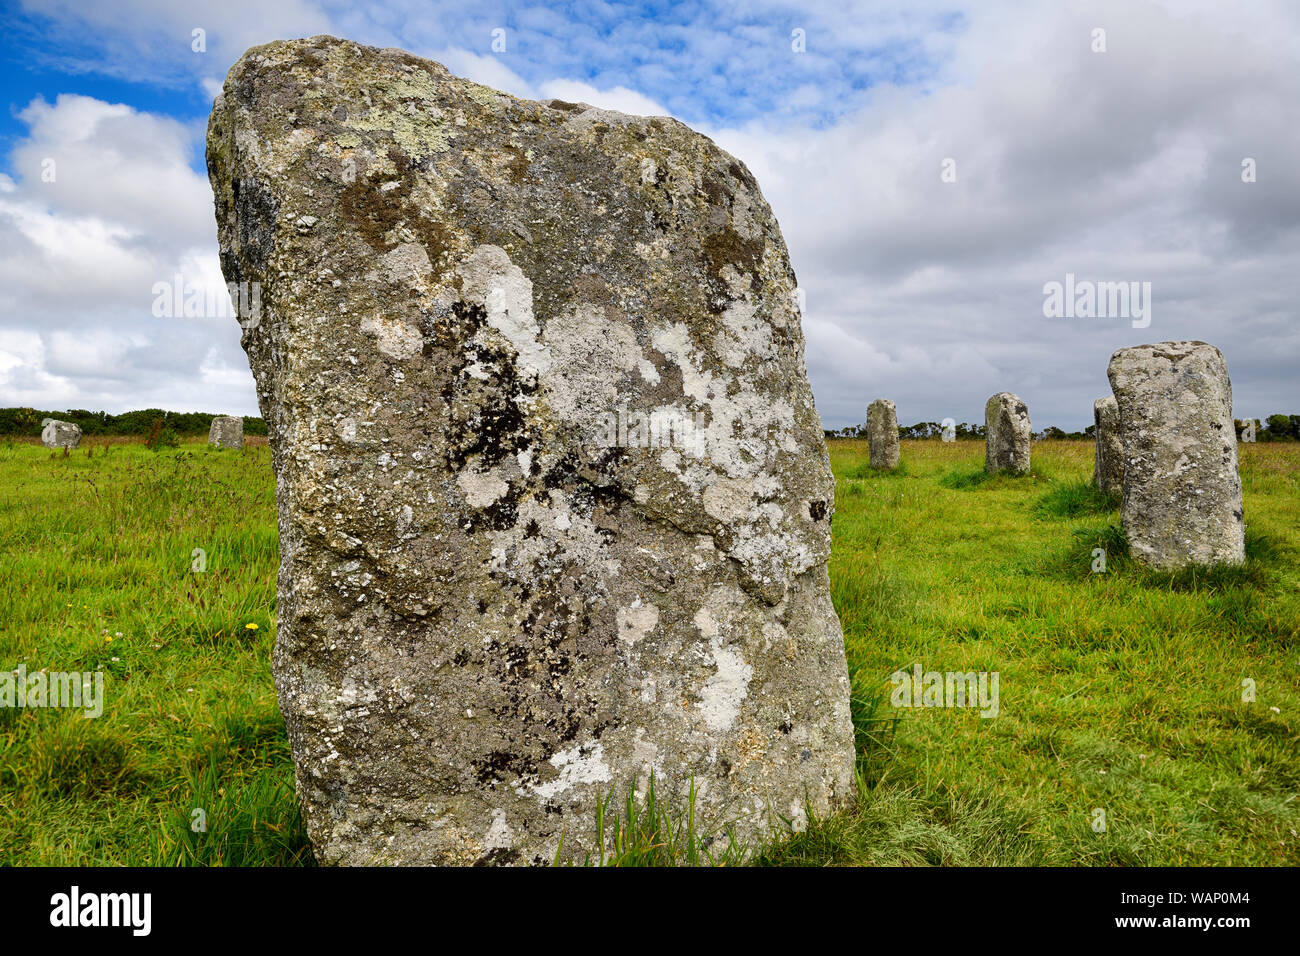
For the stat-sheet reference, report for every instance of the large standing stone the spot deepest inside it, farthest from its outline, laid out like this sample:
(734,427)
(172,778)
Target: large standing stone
(227,431)
(489,618)
(1182,492)
(1006,434)
(882,433)
(1108,469)
(57,434)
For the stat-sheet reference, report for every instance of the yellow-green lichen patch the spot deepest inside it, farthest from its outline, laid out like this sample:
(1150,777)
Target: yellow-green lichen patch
(413,119)
(484,95)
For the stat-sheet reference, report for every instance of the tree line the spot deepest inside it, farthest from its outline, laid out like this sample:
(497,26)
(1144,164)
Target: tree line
(1272,428)
(27,421)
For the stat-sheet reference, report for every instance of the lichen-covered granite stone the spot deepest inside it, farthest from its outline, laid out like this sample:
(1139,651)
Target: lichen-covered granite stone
(1182,492)
(57,434)
(1007,434)
(882,433)
(554,501)
(1108,467)
(227,431)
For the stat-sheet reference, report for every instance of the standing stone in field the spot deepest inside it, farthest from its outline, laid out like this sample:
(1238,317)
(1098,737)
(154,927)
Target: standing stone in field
(882,433)
(227,431)
(57,434)
(1108,471)
(495,608)
(1006,434)
(1182,491)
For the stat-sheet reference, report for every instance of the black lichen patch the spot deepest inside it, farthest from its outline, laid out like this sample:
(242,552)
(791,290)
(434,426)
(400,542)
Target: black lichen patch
(499,766)
(256,212)
(817,510)
(483,418)
(501,856)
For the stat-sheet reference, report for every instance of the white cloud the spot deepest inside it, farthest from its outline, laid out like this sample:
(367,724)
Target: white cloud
(618,98)
(80,256)
(1115,166)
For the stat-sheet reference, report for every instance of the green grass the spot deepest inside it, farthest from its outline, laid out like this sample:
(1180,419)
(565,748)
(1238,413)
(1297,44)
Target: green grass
(1119,691)
(97,551)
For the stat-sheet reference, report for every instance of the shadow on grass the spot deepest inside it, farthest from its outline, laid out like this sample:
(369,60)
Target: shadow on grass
(864,470)
(907,826)
(966,477)
(1080,558)
(1075,499)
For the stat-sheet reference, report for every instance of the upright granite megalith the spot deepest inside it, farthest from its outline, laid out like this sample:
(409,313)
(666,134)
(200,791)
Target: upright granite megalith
(489,618)
(227,431)
(57,434)
(1006,434)
(882,433)
(1182,491)
(1108,467)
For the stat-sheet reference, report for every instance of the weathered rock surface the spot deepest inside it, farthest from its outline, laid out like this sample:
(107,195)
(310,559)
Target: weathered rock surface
(487,618)
(1108,468)
(882,433)
(1007,434)
(1182,491)
(227,431)
(57,434)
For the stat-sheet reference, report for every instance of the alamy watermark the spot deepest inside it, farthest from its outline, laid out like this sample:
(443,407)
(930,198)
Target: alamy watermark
(130,910)
(658,428)
(193,300)
(1085,299)
(946,689)
(65,689)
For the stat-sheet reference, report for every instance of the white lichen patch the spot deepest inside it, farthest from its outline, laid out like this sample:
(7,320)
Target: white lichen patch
(578,766)
(636,621)
(481,488)
(721,698)
(499,835)
(490,279)
(405,264)
(745,426)
(645,758)
(726,689)
(591,355)
(729,499)
(744,337)
(394,337)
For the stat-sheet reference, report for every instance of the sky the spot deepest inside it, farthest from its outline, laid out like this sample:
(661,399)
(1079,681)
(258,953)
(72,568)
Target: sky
(935,167)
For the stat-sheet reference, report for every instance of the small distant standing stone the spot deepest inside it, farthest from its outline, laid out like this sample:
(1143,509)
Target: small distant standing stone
(227,431)
(1006,434)
(882,433)
(57,434)
(1109,470)
(1182,490)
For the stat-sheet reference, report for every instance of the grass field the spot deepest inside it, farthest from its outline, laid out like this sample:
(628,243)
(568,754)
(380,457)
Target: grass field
(1119,691)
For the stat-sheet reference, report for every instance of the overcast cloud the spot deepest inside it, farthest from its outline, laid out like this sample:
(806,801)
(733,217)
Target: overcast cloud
(1123,165)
